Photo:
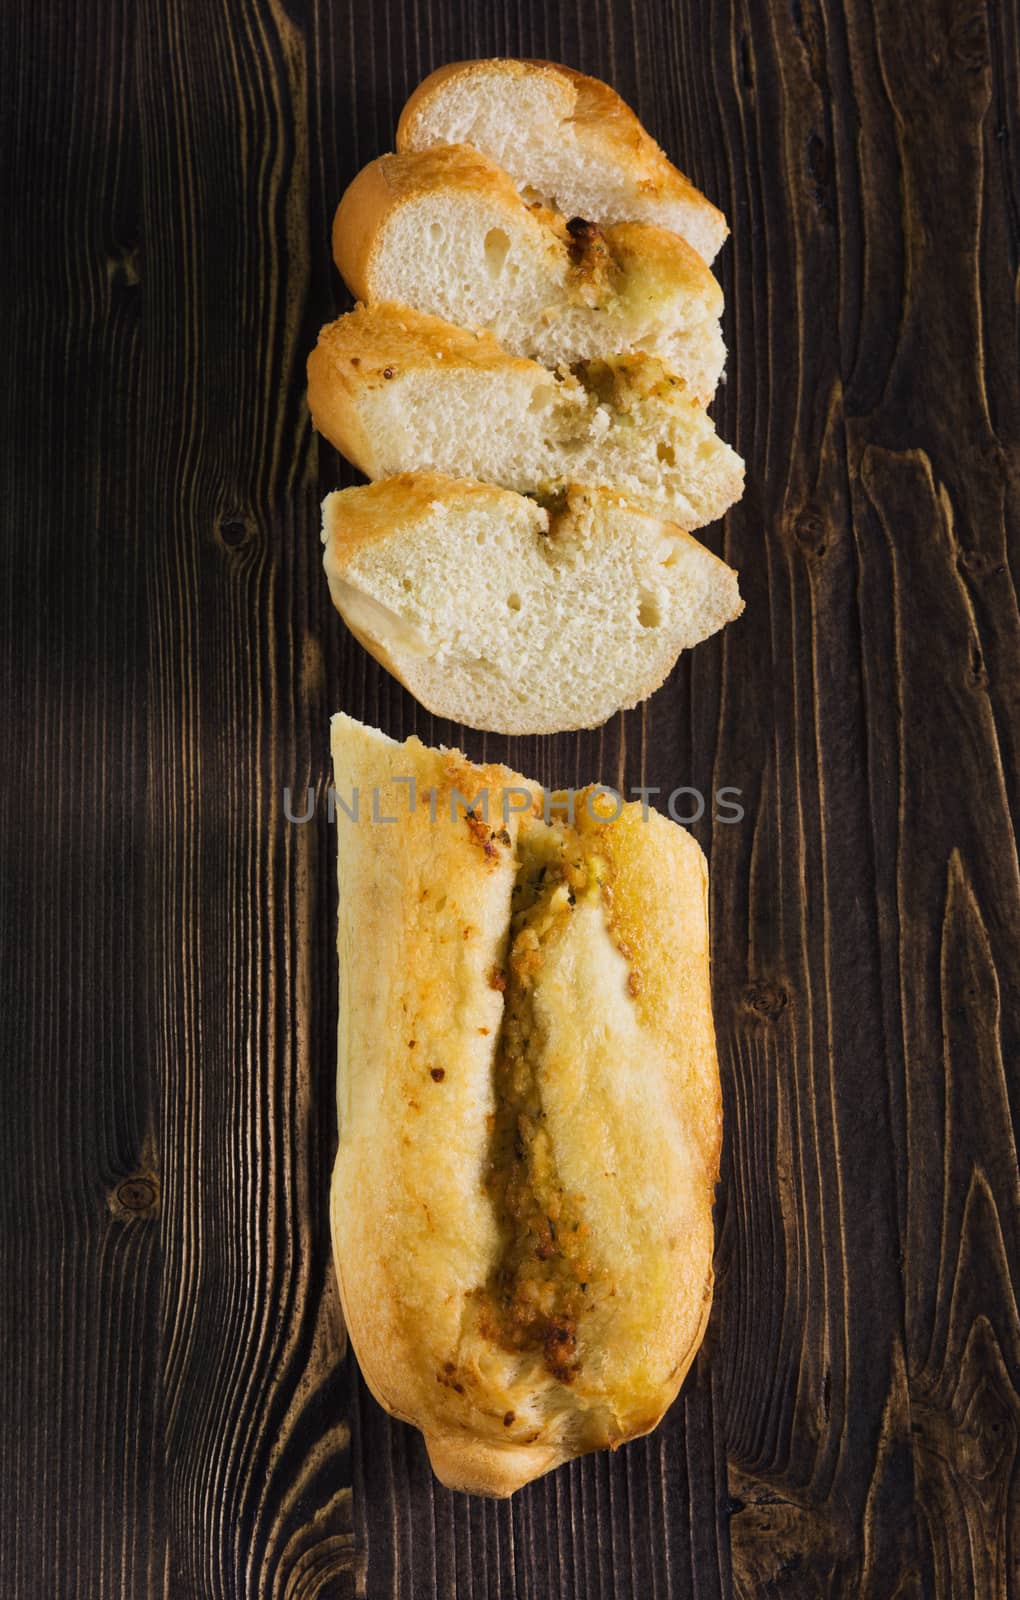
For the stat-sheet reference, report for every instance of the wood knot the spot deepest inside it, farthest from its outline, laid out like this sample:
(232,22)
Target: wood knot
(766,999)
(236,530)
(809,531)
(989,1430)
(979,564)
(135,1198)
(968,43)
(819,166)
(785,1569)
(122,266)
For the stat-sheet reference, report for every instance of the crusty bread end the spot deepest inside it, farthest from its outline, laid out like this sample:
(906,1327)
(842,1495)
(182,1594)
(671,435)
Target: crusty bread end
(564,136)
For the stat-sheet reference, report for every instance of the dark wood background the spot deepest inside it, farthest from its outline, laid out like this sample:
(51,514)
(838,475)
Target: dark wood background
(177,1415)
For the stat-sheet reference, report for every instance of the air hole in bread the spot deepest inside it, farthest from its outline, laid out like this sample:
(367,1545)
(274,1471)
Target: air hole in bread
(514,602)
(497,243)
(542,397)
(649,612)
(665,452)
(437,233)
(406,583)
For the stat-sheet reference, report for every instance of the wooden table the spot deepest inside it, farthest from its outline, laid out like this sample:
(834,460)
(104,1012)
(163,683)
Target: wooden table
(178,1415)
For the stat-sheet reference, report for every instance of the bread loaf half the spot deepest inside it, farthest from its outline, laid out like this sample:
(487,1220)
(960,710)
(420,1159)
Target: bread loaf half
(529,1108)
(564,138)
(398,391)
(497,612)
(445,231)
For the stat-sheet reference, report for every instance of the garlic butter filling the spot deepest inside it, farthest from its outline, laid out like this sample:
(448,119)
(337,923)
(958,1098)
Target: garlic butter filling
(545,1279)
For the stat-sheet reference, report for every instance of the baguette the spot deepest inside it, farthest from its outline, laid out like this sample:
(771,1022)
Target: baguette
(398,391)
(529,1110)
(496,612)
(564,137)
(446,232)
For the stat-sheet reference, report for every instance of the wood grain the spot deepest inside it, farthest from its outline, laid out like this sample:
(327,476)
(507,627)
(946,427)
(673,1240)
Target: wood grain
(181,1418)
(81,1482)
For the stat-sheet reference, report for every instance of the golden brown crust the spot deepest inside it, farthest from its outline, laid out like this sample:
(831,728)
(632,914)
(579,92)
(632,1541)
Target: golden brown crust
(619,130)
(674,998)
(421,918)
(356,518)
(424,909)
(602,119)
(371,341)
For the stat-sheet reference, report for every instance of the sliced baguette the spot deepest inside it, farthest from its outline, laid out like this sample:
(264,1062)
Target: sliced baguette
(397,391)
(446,232)
(496,612)
(564,137)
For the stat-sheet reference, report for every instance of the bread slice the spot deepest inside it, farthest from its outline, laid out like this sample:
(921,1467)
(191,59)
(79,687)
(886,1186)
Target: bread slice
(397,391)
(445,231)
(563,137)
(500,613)
(529,1108)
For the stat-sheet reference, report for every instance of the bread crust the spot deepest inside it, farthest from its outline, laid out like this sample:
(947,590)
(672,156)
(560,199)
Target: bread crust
(609,132)
(630,1086)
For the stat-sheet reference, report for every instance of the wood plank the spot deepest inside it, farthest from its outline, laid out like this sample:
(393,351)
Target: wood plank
(934,452)
(816,1410)
(258,1498)
(81,1480)
(933,460)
